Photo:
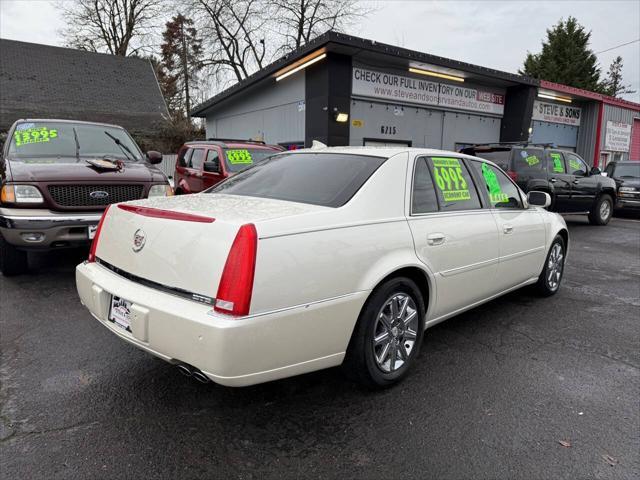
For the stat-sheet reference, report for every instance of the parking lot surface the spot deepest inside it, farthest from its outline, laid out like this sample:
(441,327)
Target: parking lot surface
(494,393)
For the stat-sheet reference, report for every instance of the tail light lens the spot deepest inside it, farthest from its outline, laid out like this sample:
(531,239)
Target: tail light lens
(513,175)
(236,284)
(94,243)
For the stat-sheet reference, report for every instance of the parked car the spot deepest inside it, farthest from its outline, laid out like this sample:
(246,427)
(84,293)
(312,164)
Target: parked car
(317,258)
(627,178)
(57,176)
(573,186)
(203,164)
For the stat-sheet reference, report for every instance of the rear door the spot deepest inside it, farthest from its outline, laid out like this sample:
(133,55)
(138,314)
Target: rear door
(453,234)
(212,173)
(560,181)
(584,187)
(521,230)
(181,174)
(194,170)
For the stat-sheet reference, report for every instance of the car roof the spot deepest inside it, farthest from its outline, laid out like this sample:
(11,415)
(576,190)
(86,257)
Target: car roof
(61,120)
(223,143)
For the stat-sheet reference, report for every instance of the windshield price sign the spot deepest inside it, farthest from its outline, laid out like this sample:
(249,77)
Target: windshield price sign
(34,135)
(236,157)
(448,176)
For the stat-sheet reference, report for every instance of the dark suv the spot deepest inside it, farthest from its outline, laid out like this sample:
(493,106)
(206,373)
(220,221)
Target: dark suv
(203,164)
(573,186)
(627,178)
(57,177)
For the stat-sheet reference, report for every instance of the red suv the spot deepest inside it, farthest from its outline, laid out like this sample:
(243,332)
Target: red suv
(203,164)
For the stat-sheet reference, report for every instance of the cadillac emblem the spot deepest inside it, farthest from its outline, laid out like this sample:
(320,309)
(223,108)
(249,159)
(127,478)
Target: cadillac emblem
(139,239)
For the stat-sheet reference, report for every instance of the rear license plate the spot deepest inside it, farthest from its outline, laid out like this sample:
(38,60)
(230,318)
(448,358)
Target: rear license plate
(91,230)
(120,312)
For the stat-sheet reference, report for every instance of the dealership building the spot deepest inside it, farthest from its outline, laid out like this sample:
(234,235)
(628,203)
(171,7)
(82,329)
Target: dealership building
(344,90)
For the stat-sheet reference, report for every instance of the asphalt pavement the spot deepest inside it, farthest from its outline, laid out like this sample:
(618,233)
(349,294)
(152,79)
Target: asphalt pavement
(520,388)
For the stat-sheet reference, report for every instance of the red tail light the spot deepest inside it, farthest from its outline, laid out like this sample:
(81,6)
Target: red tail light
(236,284)
(513,175)
(94,243)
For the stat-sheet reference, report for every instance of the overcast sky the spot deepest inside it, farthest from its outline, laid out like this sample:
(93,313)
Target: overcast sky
(491,34)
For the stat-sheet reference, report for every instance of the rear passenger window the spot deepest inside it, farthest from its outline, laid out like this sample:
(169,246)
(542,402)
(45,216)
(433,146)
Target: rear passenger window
(424,195)
(454,187)
(556,163)
(197,159)
(501,191)
(527,159)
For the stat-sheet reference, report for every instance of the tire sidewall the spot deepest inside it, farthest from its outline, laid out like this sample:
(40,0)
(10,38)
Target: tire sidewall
(598,220)
(558,240)
(368,317)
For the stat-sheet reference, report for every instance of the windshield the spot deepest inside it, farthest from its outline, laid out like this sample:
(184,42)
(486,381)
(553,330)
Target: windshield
(66,142)
(627,171)
(324,179)
(237,159)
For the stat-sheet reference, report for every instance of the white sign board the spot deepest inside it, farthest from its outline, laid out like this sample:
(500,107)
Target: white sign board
(554,113)
(617,137)
(400,88)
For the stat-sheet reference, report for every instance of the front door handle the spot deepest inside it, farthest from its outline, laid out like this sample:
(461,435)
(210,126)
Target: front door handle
(507,229)
(435,239)
(576,182)
(552,180)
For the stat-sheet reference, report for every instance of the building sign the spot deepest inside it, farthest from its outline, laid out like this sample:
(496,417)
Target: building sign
(400,88)
(617,137)
(551,112)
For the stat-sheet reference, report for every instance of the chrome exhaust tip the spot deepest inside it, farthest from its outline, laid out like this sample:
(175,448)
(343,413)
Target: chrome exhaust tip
(184,369)
(199,376)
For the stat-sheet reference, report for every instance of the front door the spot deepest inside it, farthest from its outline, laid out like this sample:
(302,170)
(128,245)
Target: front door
(560,181)
(521,230)
(453,234)
(584,187)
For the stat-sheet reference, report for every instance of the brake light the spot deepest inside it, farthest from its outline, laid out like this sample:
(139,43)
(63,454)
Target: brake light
(236,283)
(94,243)
(513,175)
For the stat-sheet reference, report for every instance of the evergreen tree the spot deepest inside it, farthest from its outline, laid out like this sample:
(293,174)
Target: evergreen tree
(565,57)
(613,84)
(181,52)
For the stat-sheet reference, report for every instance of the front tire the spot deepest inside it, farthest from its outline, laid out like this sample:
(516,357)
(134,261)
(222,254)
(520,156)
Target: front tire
(12,261)
(387,336)
(602,211)
(551,276)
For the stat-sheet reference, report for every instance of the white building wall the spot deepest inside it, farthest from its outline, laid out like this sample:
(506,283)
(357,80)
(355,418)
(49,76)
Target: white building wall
(275,114)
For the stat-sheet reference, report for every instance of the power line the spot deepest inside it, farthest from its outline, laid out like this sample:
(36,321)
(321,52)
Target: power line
(618,46)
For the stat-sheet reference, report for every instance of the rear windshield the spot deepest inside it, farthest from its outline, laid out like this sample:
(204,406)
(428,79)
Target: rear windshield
(325,179)
(631,171)
(237,159)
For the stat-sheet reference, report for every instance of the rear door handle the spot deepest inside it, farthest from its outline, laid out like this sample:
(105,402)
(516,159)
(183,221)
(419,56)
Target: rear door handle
(507,229)
(435,239)
(576,182)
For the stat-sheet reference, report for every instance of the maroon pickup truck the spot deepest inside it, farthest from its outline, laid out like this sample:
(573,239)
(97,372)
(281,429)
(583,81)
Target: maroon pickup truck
(57,177)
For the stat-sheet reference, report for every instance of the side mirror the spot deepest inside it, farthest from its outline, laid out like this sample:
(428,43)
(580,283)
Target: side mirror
(154,157)
(212,167)
(539,199)
(595,171)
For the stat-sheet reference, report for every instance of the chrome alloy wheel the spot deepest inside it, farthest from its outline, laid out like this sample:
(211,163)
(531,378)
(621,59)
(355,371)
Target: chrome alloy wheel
(395,332)
(605,210)
(555,264)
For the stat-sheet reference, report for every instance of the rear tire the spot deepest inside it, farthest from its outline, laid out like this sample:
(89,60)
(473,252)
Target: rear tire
(602,211)
(551,276)
(12,261)
(387,336)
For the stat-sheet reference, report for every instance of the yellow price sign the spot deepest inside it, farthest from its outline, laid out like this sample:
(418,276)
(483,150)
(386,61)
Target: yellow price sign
(448,176)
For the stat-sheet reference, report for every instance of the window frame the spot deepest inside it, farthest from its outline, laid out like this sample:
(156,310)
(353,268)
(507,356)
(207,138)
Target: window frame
(481,198)
(485,196)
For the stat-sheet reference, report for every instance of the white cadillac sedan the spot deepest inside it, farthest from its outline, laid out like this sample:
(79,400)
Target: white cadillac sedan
(318,258)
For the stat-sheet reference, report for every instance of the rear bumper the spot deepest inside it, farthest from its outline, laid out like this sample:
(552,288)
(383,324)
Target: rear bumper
(233,352)
(42,229)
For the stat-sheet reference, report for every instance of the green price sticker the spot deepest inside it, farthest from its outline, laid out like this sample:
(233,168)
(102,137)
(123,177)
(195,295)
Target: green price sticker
(239,157)
(532,160)
(34,135)
(575,165)
(448,176)
(558,167)
(493,184)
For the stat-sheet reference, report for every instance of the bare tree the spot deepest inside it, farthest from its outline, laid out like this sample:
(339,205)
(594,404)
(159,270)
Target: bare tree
(118,27)
(299,21)
(234,34)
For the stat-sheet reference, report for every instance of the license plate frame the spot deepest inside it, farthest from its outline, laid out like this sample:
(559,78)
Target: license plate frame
(120,312)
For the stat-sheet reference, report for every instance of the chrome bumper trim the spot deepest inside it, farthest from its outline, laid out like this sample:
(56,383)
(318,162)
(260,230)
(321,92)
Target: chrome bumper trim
(44,222)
